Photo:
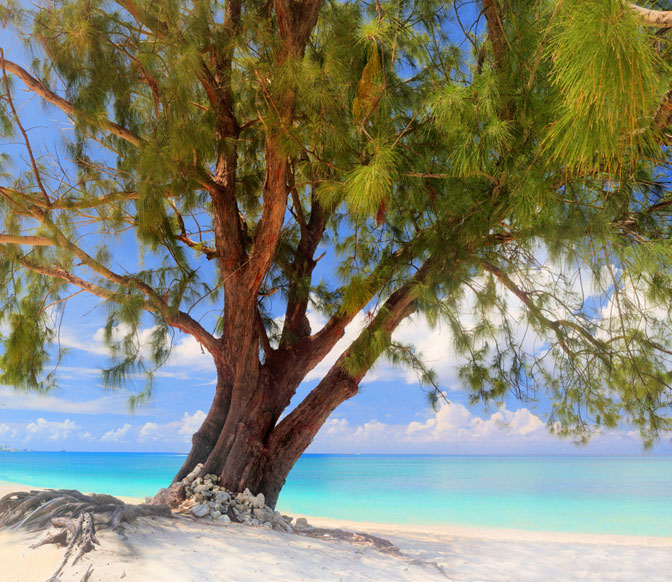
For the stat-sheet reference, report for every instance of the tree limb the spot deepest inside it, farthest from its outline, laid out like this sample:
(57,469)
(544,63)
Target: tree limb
(656,18)
(36,86)
(35,241)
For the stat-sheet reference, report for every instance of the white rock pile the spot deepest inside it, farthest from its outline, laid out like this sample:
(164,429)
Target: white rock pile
(206,499)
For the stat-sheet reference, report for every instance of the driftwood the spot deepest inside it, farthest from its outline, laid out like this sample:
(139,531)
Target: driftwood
(75,516)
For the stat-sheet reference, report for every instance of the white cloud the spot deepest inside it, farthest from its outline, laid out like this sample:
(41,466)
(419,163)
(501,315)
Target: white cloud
(190,423)
(453,429)
(52,430)
(149,431)
(178,431)
(114,436)
(7,432)
(188,354)
(13,400)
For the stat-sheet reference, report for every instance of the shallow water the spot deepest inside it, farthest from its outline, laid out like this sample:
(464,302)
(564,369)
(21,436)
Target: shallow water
(618,495)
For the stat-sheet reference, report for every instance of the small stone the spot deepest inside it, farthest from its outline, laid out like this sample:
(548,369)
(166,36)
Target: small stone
(222,497)
(259,501)
(202,488)
(225,519)
(200,510)
(254,522)
(301,523)
(287,518)
(214,514)
(268,524)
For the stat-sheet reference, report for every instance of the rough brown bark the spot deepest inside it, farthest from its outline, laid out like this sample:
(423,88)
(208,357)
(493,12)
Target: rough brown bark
(242,441)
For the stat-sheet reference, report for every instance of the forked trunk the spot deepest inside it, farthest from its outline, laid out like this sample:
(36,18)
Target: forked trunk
(242,441)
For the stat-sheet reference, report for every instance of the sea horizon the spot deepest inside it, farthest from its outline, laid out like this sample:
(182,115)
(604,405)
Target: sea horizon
(594,494)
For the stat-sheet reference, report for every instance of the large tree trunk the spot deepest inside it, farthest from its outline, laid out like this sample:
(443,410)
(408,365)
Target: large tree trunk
(241,440)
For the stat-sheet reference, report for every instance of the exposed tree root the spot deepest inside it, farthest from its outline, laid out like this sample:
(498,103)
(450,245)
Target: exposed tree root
(371,541)
(363,539)
(76,517)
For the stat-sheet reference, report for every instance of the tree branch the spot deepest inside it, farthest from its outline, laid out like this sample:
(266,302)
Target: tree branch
(180,320)
(342,381)
(493,16)
(36,86)
(656,18)
(35,241)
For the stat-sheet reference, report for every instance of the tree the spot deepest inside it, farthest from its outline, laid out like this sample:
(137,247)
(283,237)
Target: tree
(439,154)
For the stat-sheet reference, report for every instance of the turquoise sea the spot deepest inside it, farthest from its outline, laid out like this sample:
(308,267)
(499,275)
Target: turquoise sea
(617,495)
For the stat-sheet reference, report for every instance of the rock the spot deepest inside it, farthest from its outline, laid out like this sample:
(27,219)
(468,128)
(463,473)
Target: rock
(259,501)
(214,514)
(301,523)
(287,518)
(268,524)
(200,510)
(172,497)
(263,514)
(282,526)
(225,519)
(254,521)
(222,497)
(202,488)
(193,475)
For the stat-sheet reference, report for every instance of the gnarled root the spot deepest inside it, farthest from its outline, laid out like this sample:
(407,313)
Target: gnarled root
(75,515)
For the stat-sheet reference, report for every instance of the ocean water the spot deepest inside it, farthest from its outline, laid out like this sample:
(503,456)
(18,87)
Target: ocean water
(617,495)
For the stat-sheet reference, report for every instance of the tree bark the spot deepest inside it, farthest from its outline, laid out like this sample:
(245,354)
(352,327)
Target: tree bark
(241,439)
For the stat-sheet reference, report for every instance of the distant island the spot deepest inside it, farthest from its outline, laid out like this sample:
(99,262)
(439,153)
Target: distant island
(6,449)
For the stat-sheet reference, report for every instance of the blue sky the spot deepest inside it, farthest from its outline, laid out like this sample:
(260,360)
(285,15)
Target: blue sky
(389,415)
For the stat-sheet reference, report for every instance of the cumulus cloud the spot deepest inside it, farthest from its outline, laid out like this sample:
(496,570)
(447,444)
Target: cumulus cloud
(178,431)
(51,430)
(451,429)
(190,423)
(114,436)
(149,432)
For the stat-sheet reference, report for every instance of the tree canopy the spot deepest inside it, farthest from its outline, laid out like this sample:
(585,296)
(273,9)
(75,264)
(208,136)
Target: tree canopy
(443,157)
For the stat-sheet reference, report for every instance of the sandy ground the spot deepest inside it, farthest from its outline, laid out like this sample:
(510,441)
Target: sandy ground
(186,550)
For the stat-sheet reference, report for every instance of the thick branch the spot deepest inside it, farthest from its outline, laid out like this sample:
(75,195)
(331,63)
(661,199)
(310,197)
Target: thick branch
(296,21)
(39,88)
(296,324)
(657,18)
(493,16)
(294,432)
(34,241)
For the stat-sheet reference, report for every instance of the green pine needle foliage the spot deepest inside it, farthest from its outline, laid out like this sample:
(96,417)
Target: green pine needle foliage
(509,179)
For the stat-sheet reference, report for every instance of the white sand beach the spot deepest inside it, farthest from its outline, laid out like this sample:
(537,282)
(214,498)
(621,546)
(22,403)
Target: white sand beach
(186,550)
